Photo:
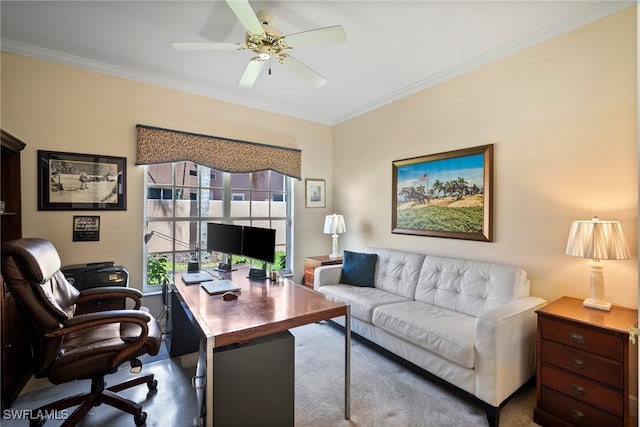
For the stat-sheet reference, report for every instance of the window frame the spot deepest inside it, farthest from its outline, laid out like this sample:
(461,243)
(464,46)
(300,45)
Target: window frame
(226,195)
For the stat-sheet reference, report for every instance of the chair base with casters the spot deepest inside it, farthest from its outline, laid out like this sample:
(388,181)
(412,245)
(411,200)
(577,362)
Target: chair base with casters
(97,396)
(70,345)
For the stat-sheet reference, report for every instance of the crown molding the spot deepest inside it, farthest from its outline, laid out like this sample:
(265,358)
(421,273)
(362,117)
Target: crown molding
(597,11)
(40,53)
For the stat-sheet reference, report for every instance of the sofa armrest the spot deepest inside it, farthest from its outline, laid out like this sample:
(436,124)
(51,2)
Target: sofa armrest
(327,275)
(505,349)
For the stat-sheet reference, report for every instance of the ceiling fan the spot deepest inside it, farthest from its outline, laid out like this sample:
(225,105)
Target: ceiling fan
(268,42)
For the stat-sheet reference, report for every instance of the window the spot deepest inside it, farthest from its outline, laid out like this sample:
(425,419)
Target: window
(182,197)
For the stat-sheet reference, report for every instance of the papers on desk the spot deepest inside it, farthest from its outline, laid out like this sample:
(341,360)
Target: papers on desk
(221,286)
(193,278)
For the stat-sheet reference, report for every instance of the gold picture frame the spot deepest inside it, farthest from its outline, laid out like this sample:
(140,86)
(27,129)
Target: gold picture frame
(445,195)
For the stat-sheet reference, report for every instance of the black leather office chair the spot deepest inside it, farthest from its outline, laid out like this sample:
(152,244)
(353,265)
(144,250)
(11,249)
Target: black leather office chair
(69,347)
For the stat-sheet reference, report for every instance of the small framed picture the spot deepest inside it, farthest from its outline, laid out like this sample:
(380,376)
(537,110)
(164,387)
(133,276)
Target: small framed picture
(86,228)
(315,193)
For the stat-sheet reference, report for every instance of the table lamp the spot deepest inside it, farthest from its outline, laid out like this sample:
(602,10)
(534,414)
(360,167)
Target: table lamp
(597,240)
(334,225)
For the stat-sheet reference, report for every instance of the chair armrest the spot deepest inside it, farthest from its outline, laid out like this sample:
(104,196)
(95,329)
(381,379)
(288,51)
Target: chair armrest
(93,294)
(505,348)
(91,320)
(327,275)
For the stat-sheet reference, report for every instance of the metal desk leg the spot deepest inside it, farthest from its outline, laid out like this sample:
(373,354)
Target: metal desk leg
(209,394)
(347,364)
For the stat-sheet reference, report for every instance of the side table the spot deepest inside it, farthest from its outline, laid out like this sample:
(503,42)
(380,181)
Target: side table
(586,366)
(313,262)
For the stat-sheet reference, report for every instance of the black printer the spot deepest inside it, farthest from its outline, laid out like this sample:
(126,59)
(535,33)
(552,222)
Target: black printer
(98,274)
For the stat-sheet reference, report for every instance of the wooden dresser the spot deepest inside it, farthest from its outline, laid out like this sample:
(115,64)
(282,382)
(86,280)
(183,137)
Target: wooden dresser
(313,262)
(586,366)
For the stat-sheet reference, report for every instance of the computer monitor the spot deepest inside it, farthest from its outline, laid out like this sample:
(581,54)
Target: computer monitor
(259,244)
(226,239)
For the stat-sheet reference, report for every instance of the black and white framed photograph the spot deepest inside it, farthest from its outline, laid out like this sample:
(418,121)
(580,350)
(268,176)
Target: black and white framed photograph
(74,181)
(315,193)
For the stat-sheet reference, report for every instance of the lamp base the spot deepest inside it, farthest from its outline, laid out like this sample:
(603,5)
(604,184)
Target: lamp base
(600,305)
(334,250)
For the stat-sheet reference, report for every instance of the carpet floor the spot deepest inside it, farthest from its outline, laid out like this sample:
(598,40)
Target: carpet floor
(383,392)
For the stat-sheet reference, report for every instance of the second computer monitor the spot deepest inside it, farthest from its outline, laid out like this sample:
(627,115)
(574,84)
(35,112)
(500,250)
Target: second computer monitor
(259,244)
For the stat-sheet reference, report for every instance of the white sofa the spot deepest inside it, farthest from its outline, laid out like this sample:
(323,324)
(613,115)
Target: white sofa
(472,324)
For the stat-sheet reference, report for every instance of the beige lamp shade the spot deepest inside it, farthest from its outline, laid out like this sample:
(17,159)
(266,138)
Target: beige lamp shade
(334,224)
(597,240)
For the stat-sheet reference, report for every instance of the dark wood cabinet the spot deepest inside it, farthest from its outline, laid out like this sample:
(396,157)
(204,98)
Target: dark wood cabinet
(587,369)
(10,187)
(16,368)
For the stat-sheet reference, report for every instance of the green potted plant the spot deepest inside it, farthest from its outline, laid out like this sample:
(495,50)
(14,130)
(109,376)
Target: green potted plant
(158,270)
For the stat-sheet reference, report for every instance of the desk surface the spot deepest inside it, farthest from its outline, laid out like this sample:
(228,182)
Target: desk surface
(262,308)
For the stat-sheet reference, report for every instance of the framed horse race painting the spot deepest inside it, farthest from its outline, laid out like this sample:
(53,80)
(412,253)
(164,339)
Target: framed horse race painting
(73,181)
(445,195)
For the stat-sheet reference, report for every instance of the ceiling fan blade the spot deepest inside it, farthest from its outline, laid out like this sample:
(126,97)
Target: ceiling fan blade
(208,46)
(252,72)
(246,16)
(302,71)
(325,35)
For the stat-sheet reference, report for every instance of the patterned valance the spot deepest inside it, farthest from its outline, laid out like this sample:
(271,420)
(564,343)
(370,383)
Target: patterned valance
(157,145)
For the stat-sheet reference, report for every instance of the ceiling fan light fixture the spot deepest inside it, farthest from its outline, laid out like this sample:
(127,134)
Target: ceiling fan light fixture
(268,42)
(264,52)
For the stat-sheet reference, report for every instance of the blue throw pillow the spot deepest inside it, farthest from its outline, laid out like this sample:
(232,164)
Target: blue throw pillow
(358,269)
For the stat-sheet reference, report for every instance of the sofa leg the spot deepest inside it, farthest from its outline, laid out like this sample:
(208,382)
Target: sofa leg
(493,416)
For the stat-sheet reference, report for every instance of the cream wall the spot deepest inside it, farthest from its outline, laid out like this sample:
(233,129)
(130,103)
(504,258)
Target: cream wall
(563,118)
(61,108)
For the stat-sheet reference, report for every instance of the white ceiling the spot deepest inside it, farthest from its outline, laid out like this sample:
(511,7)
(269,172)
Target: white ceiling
(393,48)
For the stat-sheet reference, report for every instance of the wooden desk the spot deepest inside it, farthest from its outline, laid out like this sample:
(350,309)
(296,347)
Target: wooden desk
(263,308)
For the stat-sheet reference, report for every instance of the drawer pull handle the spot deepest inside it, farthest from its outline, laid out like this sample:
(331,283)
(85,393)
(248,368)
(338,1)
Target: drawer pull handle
(578,415)
(577,363)
(577,389)
(577,338)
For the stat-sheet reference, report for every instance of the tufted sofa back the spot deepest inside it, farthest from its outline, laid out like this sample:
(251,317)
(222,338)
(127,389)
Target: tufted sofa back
(397,271)
(469,287)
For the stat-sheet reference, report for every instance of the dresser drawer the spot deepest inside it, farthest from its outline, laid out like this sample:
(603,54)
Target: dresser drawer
(308,278)
(309,267)
(582,389)
(583,363)
(575,412)
(606,345)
